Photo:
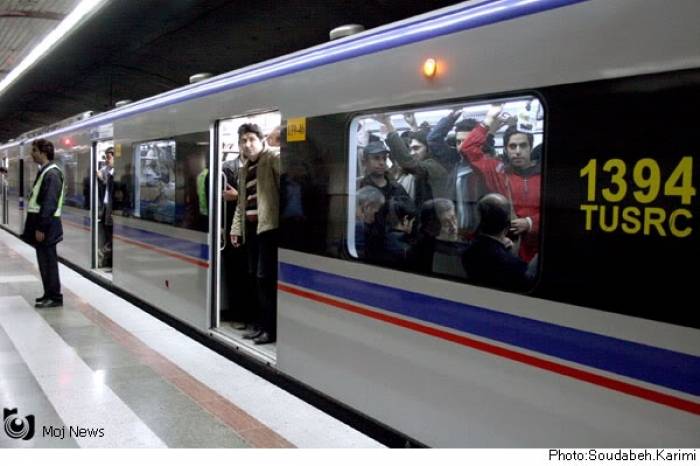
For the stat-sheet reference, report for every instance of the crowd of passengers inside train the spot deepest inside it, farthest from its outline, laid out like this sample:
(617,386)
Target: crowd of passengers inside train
(406,197)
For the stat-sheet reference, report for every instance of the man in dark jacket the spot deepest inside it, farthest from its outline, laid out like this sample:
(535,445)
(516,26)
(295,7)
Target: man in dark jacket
(105,198)
(488,260)
(43,228)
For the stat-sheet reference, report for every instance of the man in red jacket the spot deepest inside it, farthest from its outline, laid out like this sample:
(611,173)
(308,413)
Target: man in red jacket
(517,178)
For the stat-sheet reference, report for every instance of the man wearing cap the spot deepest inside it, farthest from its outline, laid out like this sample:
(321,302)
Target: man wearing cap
(374,158)
(105,196)
(43,228)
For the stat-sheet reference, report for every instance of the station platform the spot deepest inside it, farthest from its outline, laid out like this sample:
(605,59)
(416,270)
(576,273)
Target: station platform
(100,372)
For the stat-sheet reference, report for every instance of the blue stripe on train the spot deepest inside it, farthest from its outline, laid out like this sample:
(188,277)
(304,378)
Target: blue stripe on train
(662,367)
(180,246)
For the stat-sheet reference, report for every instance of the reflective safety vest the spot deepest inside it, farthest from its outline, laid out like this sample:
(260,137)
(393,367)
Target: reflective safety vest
(202,192)
(34,206)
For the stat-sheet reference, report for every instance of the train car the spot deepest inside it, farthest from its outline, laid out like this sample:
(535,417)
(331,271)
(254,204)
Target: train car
(599,347)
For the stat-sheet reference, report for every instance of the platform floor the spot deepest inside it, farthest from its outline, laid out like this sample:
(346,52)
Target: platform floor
(101,363)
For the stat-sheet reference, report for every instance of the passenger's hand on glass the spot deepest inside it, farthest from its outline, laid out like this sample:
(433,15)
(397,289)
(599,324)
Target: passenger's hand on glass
(518,226)
(39,235)
(235,241)
(230,194)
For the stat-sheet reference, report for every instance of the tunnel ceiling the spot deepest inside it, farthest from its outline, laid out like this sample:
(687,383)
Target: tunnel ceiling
(133,49)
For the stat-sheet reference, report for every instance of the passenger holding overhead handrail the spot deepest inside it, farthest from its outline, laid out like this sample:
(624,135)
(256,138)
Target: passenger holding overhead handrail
(443,152)
(518,178)
(429,176)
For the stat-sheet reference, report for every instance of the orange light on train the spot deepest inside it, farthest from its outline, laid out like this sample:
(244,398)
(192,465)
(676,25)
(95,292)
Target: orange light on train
(67,142)
(430,67)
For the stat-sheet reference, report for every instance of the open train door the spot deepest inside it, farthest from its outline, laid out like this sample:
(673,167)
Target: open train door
(4,202)
(102,193)
(234,297)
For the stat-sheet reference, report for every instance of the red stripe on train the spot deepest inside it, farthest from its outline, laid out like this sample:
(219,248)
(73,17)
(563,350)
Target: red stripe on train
(165,252)
(607,382)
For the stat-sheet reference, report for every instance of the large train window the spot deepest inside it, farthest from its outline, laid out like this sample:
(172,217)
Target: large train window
(452,190)
(170,179)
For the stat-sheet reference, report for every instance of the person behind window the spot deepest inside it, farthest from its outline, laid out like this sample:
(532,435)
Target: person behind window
(488,260)
(374,157)
(444,148)
(105,200)
(437,138)
(518,178)
(273,139)
(256,222)
(429,227)
(369,233)
(399,235)
(421,176)
(445,210)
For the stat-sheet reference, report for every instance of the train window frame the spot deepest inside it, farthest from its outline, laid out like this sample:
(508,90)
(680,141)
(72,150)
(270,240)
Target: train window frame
(171,138)
(539,118)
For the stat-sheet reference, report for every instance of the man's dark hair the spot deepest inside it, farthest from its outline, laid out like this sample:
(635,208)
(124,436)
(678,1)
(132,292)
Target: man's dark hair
(513,130)
(109,150)
(44,146)
(250,128)
(399,208)
(536,153)
(494,213)
(420,136)
(467,124)
(489,146)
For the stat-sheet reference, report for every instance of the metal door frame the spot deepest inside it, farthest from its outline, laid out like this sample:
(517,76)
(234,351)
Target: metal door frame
(215,240)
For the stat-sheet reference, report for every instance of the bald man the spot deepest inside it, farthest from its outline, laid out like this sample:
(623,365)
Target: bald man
(488,260)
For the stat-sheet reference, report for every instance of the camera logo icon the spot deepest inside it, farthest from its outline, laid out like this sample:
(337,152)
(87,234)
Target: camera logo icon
(18,427)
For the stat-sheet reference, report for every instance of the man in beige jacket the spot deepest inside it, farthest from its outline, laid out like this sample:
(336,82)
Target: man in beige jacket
(256,221)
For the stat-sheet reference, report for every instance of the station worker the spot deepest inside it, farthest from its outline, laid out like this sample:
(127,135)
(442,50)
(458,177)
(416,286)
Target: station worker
(43,228)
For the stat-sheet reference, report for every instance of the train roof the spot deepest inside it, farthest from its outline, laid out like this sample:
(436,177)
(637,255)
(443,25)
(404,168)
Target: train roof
(464,16)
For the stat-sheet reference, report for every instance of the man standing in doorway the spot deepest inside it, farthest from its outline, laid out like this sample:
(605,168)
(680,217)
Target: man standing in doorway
(105,194)
(256,222)
(43,228)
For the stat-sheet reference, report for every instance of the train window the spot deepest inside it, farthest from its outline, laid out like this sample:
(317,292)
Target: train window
(169,179)
(452,191)
(75,162)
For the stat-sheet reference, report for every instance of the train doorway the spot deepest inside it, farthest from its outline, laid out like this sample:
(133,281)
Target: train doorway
(241,296)
(4,202)
(104,200)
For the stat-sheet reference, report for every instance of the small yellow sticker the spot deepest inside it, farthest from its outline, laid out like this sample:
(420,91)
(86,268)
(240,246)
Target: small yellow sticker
(117,150)
(296,129)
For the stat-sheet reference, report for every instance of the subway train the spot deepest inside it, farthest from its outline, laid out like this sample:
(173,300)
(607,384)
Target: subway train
(602,347)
